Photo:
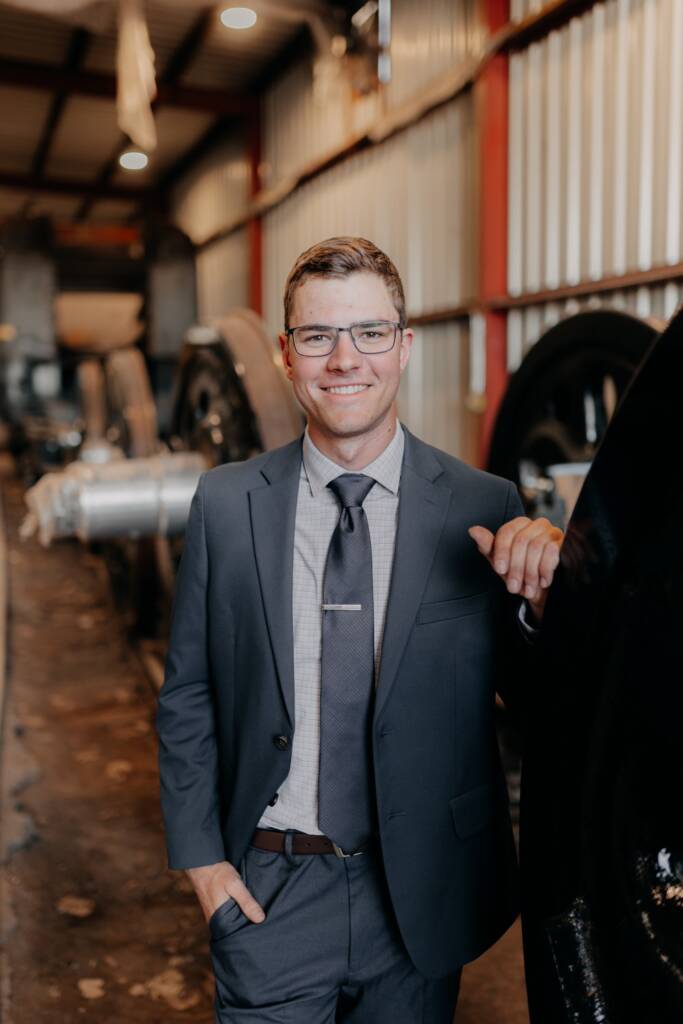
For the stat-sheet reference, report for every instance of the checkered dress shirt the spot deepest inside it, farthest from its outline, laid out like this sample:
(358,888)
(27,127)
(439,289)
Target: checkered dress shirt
(317,514)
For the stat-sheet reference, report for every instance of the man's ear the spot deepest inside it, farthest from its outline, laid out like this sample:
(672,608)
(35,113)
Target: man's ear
(284,348)
(406,341)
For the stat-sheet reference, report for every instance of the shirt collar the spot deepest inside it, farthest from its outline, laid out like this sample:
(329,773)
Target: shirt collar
(385,468)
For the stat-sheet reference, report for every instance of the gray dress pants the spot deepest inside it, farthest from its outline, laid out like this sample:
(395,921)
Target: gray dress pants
(328,950)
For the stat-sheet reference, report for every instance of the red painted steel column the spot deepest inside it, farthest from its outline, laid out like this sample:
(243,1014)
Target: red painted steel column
(491,98)
(254,228)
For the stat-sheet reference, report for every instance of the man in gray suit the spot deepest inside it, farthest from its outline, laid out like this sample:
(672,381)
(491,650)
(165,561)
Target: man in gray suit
(330,776)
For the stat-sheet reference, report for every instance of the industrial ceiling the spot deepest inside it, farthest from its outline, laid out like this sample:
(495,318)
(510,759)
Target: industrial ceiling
(59,138)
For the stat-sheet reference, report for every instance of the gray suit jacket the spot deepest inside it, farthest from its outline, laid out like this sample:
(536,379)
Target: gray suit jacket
(225,715)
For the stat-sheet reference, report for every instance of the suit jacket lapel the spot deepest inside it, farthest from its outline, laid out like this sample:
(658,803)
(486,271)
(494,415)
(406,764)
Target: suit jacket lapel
(273,512)
(422,512)
(421,515)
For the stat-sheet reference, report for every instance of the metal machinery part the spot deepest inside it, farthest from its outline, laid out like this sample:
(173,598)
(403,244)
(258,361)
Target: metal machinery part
(170,310)
(119,498)
(559,402)
(27,289)
(233,399)
(602,822)
(132,412)
(92,390)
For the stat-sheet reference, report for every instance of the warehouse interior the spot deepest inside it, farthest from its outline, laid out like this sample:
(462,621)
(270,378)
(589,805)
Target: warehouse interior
(163,163)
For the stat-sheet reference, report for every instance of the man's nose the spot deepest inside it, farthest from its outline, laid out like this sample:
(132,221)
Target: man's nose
(344,355)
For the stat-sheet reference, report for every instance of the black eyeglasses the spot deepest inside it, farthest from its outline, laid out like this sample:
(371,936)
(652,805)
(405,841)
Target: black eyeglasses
(370,338)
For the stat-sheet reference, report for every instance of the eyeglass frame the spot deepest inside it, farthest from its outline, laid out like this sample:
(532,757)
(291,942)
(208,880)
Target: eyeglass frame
(289,331)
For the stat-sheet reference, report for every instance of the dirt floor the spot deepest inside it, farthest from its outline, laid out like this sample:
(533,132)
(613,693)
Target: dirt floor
(94,926)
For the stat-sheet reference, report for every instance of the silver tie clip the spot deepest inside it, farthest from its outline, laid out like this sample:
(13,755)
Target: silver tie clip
(342,607)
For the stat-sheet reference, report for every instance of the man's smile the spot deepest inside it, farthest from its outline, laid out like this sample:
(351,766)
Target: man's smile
(344,389)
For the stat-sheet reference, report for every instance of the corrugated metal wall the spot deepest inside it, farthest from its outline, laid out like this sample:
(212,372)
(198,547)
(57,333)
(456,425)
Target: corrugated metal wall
(413,196)
(596,140)
(427,39)
(216,191)
(432,398)
(298,126)
(223,276)
(520,9)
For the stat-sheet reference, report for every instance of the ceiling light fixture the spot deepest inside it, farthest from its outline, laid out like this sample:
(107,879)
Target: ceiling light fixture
(238,17)
(133,160)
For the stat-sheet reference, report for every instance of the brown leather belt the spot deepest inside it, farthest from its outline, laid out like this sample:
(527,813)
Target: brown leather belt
(302,842)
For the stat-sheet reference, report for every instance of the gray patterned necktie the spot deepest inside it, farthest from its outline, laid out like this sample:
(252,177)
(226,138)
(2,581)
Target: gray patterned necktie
(346,803)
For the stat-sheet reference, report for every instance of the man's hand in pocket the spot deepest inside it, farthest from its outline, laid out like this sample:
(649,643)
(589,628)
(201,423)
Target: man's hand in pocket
(215,883)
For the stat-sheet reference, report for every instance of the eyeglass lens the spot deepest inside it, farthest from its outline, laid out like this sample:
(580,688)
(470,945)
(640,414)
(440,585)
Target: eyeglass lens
(369,337)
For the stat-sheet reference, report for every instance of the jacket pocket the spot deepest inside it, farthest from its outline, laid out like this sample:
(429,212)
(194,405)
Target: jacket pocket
(432,611)
(473,810)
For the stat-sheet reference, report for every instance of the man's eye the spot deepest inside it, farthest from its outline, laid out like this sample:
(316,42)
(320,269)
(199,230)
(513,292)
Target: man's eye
(316,339)
(371,335)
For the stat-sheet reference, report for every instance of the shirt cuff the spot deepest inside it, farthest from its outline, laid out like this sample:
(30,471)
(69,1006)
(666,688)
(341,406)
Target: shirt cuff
(527,626)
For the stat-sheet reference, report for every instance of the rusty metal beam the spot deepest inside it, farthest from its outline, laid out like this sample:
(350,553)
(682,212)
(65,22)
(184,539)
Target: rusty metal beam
(79,43)
(70,187)
(68,81)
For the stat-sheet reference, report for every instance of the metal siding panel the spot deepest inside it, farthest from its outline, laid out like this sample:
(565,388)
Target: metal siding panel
(516,189)
(214,192)
(588,112)
(619,258)
(408,195)
(574,154)
(433,392)
(553,171)
(223,276)
(647,138)
(428,39)
(597,181)
(534,167)
(674,225)
(300,124)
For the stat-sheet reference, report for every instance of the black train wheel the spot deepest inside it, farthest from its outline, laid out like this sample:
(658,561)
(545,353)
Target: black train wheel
(559,402)
(233,400)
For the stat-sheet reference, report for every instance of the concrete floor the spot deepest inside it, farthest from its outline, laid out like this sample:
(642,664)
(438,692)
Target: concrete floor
(95,926)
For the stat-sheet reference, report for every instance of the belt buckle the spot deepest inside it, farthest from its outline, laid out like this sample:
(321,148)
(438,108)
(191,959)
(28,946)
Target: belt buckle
(340,853)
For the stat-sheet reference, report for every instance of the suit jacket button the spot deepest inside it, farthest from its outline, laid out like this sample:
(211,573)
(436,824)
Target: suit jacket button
(271,803)
(281,742)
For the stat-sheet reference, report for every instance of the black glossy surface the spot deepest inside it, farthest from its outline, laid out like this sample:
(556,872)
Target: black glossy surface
(602,782)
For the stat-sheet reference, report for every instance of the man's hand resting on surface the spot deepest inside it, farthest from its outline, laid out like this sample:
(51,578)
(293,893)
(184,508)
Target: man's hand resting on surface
(214,883)
(525,553)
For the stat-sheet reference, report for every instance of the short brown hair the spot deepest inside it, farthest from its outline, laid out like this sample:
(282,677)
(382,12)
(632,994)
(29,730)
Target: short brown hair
(339,257)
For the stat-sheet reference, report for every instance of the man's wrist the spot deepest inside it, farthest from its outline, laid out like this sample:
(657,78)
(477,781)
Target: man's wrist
(204,872)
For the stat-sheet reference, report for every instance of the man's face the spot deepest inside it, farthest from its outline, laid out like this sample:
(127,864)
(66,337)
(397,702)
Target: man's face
(339,302)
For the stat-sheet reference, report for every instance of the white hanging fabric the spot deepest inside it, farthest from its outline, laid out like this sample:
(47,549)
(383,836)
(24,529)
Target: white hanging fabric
(94,15)
(136,84)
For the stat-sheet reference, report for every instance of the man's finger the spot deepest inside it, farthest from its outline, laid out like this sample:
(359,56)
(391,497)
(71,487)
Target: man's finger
(249,906)
(549,562)
(509,553)
(483,538)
